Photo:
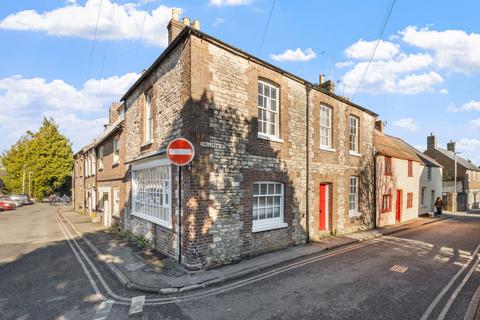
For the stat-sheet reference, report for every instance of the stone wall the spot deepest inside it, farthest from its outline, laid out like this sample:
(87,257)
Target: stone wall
(169,83)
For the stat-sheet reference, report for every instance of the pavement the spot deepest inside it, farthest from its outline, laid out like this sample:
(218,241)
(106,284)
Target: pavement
(144,270)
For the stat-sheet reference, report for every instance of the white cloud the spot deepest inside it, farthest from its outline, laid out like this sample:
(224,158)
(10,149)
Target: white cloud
(444,91)
(470,148)
(417,83)
(79,112)
(420,147)
(344,64)
(294,55)
(406,123)
(475,123)
(229,3)
(20,93)
(393,76)
(116,21)
(362,50)
(453,49)
(218,21)
(471,105)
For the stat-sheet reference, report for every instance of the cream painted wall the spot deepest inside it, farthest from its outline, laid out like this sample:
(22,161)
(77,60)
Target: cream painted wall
(399,180)
(434,184)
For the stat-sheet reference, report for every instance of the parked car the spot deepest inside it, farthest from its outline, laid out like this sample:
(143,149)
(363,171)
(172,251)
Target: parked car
(5,206)
(22,197)
(11,201)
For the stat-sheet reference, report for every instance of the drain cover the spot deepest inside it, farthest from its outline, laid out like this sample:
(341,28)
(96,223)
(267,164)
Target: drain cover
(400,269)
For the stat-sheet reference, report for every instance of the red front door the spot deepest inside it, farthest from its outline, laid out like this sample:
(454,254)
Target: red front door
(323,213)
(398,206)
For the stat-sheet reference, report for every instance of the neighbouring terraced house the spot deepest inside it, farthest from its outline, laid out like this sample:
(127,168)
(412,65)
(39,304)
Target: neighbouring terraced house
(468,175)
(408,181)
(99,173)
(278,159)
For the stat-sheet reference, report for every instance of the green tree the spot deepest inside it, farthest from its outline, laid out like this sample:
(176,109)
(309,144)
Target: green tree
(14,161)
(47,154)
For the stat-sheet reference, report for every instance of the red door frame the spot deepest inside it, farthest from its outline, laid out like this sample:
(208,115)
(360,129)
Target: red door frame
(398,206)
(324,206)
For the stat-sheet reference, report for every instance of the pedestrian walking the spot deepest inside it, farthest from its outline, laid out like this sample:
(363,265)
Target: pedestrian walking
(439,205)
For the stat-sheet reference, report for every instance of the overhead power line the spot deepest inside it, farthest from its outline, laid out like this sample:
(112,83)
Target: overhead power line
(375,46)
(266,28)
(92,49)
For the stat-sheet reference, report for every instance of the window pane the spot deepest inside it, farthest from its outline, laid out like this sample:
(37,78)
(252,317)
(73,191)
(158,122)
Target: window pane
(255,214)
(261,202)
(278,188)
(276,212)
(261,213)
(269,212)
(263,189)
(267,91)
(260,88)
(255,189)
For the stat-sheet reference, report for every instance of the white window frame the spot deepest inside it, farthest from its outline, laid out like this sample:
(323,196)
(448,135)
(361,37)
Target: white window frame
(423,194)
(326,114)
(94,162)
(266,109)
(150,215)
(148,117)
(100,158)
(353,124)
(116,150)
(353,194)
(268,223)
(116,202)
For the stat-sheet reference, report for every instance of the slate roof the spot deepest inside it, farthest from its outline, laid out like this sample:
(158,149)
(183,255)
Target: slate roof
(461,161)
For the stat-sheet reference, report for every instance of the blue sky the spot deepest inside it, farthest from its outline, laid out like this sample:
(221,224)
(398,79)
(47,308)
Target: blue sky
(425,76)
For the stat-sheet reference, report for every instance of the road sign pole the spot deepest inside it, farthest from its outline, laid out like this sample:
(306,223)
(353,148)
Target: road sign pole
(179,214)
(180,151)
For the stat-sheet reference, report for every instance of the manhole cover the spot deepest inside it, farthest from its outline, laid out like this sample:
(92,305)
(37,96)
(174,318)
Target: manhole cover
(400,269)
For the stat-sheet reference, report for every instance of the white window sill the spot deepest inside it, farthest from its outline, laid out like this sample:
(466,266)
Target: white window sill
(267,227)
(271,138)
(327,149)
(355,154)
(162,223)
(355,214)
(146,144)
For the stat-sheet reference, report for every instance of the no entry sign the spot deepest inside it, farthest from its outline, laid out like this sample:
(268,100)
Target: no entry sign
(180,151)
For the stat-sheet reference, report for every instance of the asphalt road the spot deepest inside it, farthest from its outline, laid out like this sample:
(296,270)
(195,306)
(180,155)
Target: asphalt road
(45,276)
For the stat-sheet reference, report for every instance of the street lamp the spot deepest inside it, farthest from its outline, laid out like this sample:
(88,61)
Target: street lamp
(29,181)
(455,180)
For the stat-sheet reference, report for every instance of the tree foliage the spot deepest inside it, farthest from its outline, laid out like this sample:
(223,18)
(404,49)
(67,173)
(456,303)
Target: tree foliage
(47,154)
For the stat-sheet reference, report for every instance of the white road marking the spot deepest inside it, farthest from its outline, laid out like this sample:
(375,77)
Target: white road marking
(212,291)
(70,238)
(103,310)
(457,291)
(137,305)
(82,264)
(437,299)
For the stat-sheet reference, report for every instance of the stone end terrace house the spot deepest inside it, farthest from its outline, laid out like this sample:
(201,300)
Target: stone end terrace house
(278,160)
(468,174)
(99,172)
